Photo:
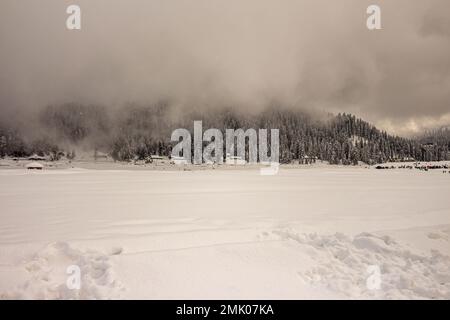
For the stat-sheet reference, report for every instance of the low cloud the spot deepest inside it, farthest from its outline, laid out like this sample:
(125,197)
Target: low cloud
(206,53)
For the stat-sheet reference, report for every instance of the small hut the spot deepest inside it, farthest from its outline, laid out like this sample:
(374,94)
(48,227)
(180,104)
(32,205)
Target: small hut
(234,160)
(100,155)
(178,160)
(307,159)
(34,166)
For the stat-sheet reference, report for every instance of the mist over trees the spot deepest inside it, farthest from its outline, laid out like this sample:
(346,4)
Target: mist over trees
(437,143)
(138,131)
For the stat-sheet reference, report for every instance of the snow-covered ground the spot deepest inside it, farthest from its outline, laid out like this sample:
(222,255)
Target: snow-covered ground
(304,233)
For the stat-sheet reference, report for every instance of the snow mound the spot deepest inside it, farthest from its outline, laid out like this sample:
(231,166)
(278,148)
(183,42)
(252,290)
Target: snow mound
(344,264)
(47,275)
(438,236)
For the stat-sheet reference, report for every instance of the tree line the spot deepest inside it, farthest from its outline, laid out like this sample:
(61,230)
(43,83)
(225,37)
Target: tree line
(137,132)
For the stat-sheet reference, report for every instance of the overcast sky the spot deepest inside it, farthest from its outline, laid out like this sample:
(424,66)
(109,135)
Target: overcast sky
(300,53)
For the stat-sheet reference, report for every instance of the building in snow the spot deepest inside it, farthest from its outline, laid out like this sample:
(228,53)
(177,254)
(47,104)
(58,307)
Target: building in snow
(234,160)
(307,160)
(100,155)
(34,166)
(178,160)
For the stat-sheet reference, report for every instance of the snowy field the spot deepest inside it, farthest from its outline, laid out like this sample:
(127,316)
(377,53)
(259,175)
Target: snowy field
(301,234)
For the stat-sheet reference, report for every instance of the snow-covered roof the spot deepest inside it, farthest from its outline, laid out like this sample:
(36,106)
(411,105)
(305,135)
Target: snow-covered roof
(36,157)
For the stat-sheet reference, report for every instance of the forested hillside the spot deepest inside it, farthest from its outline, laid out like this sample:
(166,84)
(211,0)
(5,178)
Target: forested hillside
(136,132)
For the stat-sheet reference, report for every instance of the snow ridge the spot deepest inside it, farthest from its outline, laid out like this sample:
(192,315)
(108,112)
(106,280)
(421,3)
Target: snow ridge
(343,263)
